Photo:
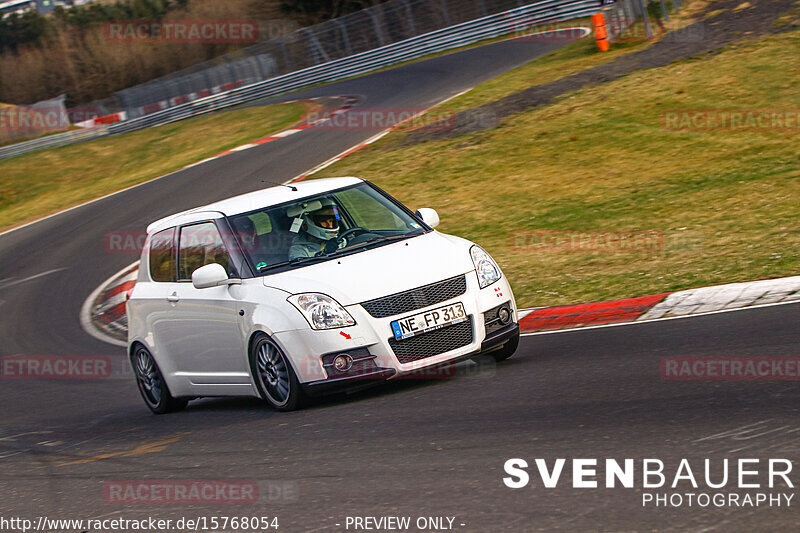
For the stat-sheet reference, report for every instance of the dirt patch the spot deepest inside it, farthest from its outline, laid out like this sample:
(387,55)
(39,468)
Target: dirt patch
(727,26)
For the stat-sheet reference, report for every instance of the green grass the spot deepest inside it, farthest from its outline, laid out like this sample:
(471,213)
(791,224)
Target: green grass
(726,203)
(47,181)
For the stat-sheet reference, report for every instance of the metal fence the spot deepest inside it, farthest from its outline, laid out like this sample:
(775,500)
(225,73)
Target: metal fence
(381,25)
(336,57)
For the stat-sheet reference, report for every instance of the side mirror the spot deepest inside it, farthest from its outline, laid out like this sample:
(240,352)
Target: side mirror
(428,216)
(212,275)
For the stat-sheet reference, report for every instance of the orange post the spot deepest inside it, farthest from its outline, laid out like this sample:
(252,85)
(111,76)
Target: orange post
(600,33)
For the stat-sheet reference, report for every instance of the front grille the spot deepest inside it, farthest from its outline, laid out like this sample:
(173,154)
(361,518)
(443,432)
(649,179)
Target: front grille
(403,302)
(490,320)
(433,343)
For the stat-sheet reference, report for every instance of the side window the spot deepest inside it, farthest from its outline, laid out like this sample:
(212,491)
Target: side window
(162,255)
(260,237)
(200,244)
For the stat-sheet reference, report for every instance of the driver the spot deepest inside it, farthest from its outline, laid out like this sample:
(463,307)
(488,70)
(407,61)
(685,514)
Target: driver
(319,231)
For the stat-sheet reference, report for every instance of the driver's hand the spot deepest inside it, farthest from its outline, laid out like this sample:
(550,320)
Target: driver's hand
(331,246)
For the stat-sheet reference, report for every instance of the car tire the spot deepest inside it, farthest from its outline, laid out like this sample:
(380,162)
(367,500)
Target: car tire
(507,350)
(274,376)
(152,386)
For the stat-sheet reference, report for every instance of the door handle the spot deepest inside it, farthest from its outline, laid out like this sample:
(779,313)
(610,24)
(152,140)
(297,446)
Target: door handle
(173,297)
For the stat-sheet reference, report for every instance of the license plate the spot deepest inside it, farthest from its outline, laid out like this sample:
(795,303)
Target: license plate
(420,323)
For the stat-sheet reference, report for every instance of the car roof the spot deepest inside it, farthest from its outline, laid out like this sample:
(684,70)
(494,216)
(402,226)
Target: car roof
(259,199)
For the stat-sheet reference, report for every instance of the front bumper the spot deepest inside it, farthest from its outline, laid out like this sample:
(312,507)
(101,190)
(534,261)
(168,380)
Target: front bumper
(498,338)
(344,383)
(375,335)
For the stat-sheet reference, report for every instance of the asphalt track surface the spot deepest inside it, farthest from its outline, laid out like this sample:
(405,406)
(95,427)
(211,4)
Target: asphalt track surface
(422,448)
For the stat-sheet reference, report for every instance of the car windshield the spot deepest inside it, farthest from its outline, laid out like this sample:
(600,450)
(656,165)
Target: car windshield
(321,227)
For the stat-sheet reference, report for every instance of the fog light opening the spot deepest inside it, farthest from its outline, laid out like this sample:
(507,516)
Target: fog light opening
(342,363)
(504,315)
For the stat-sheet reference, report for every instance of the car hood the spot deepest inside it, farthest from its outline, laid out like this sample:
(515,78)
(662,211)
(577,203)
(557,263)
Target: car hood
(380,271)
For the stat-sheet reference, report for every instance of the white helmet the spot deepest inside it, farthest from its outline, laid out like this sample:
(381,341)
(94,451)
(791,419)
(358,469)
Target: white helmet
(324,222)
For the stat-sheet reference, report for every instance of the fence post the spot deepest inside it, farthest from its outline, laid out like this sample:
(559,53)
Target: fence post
(614,21)
(287,61)
(345,36)
(664,10)
(445,13)
(626,11)
(377,24)
(410,16)
(646,19)
(623,15)
(624,7)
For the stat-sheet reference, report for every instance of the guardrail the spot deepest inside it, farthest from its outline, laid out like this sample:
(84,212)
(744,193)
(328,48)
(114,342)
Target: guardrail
(437,41)
(52,141)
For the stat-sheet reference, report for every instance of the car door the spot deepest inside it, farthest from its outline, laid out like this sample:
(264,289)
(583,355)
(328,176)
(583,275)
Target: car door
(151,297)
(207,340)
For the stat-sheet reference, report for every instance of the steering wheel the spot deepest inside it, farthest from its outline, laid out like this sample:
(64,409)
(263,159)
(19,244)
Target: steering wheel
(335,244)
(352,231)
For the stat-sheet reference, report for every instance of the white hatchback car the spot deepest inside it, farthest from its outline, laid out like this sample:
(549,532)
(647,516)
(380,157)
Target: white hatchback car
(297,289)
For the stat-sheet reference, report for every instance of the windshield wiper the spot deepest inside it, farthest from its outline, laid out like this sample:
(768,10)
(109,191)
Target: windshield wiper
(293,262)
(312,259)
(387,238)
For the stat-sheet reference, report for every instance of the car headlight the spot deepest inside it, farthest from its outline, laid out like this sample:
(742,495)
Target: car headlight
(321,311)
(487,270)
